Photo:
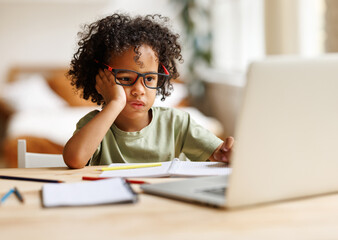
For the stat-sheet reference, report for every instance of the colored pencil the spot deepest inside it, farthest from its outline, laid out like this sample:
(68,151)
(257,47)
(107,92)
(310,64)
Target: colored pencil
(3,199)
(122,167)
(100,178)
(18,194)
(29,179)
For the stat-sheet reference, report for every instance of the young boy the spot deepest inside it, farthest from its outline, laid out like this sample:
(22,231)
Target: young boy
(123,63)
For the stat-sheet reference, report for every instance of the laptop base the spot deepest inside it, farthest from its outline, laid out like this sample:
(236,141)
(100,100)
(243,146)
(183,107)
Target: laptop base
(205,190)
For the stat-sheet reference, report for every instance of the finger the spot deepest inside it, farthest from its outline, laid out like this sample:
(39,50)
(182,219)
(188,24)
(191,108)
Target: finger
(229,142)
(223,147)
(102,77)
(109,76)
(98,82)
(101,74)
(221,157)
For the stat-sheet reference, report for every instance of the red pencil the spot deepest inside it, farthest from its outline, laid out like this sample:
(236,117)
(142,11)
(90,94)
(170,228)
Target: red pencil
(100,178)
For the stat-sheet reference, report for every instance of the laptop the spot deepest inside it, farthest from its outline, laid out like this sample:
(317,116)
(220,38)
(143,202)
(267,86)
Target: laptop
(286,138)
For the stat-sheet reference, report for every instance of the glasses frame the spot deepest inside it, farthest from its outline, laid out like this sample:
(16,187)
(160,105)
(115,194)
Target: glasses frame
(115,70)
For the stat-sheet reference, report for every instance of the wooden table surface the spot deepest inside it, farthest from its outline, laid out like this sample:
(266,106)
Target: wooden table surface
(155,217)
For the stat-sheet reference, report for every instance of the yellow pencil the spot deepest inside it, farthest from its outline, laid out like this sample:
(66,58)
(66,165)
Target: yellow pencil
(131,166)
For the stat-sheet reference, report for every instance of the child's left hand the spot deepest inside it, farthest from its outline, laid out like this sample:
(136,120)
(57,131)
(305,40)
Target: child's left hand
(223,152)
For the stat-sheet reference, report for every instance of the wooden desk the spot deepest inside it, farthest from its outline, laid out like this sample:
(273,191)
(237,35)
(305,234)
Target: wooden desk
(157,218)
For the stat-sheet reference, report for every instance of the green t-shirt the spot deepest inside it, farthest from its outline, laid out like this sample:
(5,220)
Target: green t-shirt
(170,132)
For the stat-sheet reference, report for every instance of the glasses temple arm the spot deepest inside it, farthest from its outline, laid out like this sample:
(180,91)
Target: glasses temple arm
(165,70)
(107,67)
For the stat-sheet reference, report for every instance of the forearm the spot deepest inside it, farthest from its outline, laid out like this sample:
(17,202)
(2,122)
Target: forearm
(82,145)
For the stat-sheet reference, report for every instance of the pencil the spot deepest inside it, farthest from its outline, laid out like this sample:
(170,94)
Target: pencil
(18,194)
(29,179)
(7,195)
(122,167)
(100,178)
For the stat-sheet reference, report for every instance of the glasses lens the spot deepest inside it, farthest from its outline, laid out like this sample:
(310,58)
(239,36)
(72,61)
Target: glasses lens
(154,80)
(151,80)
(125,77)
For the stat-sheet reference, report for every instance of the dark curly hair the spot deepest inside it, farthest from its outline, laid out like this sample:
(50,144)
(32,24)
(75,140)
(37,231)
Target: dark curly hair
(114,35)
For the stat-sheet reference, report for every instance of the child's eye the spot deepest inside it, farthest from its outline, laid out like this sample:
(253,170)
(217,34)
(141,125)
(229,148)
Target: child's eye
(150,78)
(124,79)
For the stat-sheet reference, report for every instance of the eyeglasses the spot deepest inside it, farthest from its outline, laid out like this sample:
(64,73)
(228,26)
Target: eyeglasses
(125,77)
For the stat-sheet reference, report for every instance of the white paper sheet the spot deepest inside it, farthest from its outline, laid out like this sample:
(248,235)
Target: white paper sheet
(173,168)
(87,193)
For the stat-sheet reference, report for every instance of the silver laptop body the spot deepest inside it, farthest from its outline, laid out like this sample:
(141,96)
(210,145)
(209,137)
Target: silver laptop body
(286,138)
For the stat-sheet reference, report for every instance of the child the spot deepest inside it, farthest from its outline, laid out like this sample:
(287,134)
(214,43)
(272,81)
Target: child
(122,63)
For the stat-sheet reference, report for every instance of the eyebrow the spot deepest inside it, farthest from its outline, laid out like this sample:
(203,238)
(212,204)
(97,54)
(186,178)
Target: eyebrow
(125,71)
(110,68)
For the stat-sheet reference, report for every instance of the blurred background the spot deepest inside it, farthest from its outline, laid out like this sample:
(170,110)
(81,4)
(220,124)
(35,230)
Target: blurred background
(219,39)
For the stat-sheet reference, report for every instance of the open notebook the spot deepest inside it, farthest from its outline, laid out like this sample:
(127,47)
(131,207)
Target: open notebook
(175,168)
(106,191)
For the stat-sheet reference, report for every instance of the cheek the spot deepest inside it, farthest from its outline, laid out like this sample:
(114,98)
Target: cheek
(152,96)
(126,90)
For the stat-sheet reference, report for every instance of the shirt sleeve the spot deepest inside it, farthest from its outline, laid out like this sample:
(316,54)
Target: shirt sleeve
(83,121)
(199,143)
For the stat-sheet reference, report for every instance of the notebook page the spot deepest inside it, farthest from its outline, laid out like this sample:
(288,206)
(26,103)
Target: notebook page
(87,193)
(158,171)
(195,169)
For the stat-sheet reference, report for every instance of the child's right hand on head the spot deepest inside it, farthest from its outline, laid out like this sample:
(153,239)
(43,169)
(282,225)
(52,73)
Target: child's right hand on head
(109,90)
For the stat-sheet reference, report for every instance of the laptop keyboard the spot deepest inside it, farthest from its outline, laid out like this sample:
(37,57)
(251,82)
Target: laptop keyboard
(216,191)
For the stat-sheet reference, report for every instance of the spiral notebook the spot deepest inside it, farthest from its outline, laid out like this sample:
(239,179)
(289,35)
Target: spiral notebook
(174,168)
(106,191)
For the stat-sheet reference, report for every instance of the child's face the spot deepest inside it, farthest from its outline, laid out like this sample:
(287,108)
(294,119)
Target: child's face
(139,97)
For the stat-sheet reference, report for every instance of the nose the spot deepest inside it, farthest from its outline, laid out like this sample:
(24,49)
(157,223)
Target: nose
(138,88)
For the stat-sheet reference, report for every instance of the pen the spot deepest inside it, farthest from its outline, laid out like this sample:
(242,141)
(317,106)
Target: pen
(100,178)
(29,179)
(7,195)
(131,166)
(18,194)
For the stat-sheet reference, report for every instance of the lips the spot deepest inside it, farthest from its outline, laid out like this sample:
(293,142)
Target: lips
(137,104)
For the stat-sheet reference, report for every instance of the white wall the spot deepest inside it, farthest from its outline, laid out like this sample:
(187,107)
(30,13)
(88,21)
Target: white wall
(40,32)
(295,27)
(36,32)
(238,28)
